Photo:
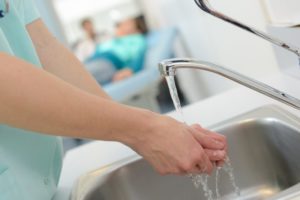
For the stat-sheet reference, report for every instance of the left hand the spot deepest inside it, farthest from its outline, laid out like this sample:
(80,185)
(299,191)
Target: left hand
(122,74)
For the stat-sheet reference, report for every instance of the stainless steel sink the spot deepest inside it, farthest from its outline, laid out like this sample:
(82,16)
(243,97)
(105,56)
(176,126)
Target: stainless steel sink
(264,148)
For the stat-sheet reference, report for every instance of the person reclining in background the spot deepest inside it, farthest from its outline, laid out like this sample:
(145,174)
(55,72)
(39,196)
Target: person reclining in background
(86,47)
(126,52)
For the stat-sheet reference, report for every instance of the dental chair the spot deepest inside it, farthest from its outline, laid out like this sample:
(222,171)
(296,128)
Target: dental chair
(141,90)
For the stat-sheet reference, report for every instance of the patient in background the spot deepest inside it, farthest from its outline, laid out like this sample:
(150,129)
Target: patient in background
(86,47)
(126,52)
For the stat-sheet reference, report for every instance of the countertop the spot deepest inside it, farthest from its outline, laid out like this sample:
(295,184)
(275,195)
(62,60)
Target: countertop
(208,112)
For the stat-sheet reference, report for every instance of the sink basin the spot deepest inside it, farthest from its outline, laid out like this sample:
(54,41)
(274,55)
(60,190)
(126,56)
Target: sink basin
(264,149)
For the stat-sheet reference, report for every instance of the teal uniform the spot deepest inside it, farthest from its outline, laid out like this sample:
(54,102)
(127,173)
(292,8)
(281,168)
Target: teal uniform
(30,163)
(129,50)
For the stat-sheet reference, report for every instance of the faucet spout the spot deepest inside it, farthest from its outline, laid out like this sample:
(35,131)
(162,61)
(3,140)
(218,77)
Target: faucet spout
(169,68)
(206,7)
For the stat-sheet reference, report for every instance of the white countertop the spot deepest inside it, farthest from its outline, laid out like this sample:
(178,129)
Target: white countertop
(208,112)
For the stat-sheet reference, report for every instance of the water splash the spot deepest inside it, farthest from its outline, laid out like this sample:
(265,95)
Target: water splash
(218,195)
(229,170)
(202,180)
(175,96)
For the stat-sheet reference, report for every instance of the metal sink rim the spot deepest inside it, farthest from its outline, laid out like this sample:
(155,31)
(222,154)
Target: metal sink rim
(90,180)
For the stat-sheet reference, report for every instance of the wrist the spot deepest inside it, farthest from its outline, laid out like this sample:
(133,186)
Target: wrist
(141,123)
(151,128)
(147,124)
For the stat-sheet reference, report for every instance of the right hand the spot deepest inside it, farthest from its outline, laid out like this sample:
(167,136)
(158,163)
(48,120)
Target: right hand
(172,148)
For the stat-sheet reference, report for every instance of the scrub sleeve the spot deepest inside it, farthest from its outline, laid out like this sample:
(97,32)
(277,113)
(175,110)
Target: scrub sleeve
(30,163)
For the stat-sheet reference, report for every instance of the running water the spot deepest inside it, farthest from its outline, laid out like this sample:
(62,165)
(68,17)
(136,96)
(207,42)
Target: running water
(202,180)
(218,195)
(229,170)
(175,96)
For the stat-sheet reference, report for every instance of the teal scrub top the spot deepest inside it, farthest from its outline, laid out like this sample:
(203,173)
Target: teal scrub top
(128,49)
(30,163)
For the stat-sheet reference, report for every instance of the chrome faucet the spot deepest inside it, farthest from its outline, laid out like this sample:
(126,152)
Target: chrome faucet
(169,68)
(205,6)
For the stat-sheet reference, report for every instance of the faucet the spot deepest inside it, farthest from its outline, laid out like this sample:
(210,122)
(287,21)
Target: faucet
(205,6)
(169,68)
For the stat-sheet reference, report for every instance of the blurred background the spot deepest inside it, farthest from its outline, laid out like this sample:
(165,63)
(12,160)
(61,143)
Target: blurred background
(121,42)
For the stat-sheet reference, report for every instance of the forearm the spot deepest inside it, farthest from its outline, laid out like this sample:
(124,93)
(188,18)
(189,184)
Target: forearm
(39,101)
(59,61)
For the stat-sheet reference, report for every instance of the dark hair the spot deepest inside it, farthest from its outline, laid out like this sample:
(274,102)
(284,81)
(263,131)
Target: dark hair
(141,24)
(85,21)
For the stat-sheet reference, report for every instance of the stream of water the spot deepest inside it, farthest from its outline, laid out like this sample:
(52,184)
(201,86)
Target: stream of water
(202,180)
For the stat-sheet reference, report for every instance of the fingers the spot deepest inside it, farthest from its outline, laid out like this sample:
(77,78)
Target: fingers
(197,163)
(203,167)
(220,163)
(208,142)
(214,135)
(206,164)
(215,155)
(218,137)
(207,167)
(209,139)
(215,145)
(203,164)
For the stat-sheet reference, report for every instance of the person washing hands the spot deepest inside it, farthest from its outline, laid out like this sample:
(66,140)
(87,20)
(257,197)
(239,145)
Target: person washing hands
(42,98)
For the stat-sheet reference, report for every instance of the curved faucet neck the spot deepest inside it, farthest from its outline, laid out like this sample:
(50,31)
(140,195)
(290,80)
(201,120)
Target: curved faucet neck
(169,68)
(206,7)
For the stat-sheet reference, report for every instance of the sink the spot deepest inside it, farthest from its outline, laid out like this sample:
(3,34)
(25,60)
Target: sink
(264,149)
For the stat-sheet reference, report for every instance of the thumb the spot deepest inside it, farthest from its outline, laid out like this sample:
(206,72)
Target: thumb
(206,141)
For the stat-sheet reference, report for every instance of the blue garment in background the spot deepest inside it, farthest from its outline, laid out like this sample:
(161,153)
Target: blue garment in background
(124,52)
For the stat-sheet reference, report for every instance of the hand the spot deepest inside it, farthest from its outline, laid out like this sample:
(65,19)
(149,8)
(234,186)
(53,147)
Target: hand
(214,144)
(175,148)
(122,74)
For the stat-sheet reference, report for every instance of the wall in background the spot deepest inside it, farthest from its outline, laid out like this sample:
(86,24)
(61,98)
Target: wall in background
(103,13)
(283,14)
(288,62)
(284,20)
(70,10)
(210,39)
